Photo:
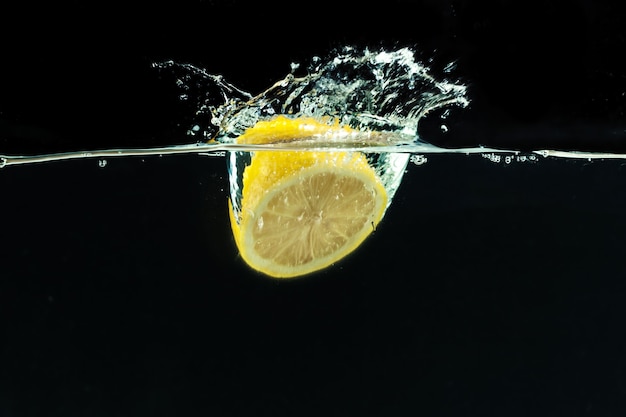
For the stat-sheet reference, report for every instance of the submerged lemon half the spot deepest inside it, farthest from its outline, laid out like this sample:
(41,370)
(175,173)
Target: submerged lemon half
(302,211)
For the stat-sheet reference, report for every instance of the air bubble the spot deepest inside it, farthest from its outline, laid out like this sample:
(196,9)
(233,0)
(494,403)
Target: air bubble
(417,159)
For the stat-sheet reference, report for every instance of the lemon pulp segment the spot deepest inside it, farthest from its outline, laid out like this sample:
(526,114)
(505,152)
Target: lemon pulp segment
(301,211)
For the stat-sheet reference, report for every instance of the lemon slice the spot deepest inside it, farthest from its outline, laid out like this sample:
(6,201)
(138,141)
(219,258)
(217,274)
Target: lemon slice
(302,211)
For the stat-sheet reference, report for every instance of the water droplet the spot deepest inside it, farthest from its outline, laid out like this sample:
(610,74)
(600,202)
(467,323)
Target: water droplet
(450,67)
(444,128)
(102,163)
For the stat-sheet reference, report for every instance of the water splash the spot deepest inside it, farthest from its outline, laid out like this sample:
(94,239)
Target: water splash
(382,94)
(370,91)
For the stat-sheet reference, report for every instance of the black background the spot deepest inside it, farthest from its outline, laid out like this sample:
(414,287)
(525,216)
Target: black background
(80,73)
(487,290)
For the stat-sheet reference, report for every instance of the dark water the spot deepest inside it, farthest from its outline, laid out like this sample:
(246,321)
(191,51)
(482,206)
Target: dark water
(502,290)
(488,289)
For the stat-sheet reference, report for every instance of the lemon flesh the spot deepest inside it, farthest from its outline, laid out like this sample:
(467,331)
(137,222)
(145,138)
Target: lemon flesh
(302,211)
